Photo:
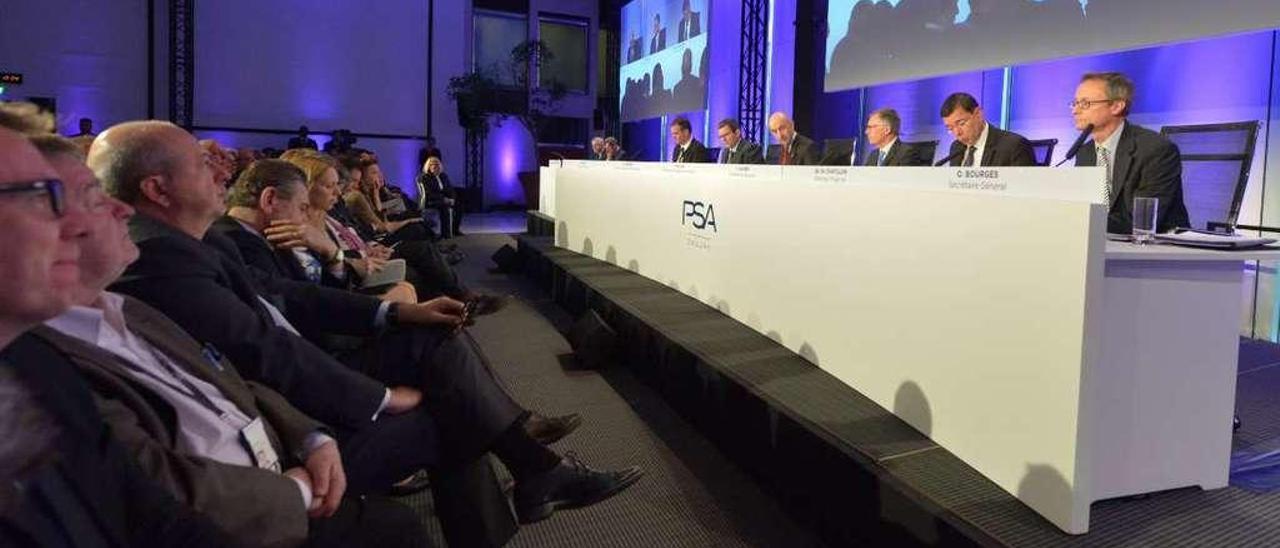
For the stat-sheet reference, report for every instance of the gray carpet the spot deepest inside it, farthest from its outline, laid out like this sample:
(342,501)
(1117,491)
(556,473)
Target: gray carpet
(690,496)
(1182,517)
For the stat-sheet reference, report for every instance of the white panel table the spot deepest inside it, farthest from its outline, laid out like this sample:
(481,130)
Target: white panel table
(982,306)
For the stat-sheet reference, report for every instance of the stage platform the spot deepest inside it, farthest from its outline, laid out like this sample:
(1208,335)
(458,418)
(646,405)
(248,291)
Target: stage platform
(848,469)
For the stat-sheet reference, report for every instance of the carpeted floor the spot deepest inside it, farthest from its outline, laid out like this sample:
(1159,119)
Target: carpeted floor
(690,496)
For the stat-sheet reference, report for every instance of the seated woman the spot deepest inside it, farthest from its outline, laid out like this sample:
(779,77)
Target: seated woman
(365,202)
(426,269)
(437,192)
(273,199)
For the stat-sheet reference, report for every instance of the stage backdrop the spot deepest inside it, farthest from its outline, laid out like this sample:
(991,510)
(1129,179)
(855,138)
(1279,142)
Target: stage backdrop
(664,57)
(876,41)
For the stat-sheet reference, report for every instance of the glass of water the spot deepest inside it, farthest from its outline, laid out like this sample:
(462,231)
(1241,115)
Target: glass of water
(1144,219)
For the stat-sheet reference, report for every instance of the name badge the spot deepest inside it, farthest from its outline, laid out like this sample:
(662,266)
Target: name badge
(255,439)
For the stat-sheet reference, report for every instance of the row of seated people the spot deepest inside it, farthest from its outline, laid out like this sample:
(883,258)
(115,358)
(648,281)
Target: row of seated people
(1138,161)
(175,372)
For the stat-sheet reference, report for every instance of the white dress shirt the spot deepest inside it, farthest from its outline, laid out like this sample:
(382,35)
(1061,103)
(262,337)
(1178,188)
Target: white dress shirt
(981,144)
(203,432)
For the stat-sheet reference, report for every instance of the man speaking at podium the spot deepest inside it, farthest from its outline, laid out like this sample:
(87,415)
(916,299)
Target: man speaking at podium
(1139,162)
(977,142)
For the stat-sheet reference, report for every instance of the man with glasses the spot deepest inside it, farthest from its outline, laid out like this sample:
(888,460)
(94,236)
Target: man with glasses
(979,143)
(882,132)
(736,149)
(63,480)
(1139,162)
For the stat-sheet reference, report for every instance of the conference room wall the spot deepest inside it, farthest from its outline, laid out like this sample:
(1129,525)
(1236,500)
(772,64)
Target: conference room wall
(271,66)
(90,56)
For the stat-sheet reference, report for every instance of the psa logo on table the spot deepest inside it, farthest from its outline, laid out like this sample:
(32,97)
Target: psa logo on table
(699,222)
(701,216)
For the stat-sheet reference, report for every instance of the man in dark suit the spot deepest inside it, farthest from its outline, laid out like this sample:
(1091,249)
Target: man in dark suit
(206,288)
(978,143)
(658,37)
(882,133)
(690,22)
(597,148)
(63,480)
(1139,162)
(794,149)
(234,451)
(688,150)
(736,150)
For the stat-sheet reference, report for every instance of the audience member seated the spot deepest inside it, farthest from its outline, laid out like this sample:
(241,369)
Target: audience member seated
(237,453)
(64,481)
(428,270)
(273,201)
(436,191)
(206,289)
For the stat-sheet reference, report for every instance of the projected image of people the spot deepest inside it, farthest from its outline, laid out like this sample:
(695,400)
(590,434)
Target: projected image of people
(937,36)
(659,76)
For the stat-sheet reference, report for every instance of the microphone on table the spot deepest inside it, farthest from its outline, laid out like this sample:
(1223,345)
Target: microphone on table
(558,156)
(1075,147)
(948,159)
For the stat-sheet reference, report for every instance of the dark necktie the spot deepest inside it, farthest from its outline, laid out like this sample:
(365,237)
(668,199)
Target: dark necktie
(786,155)
(969,154)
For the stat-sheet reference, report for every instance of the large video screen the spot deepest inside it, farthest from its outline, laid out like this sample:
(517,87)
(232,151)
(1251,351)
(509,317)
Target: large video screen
(876,41)
(664,57)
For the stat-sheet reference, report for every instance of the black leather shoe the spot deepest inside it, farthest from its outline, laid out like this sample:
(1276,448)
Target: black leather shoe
(548,430)
(411,485)
(571,484)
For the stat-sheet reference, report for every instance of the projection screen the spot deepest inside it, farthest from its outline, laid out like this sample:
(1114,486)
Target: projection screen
(876,41)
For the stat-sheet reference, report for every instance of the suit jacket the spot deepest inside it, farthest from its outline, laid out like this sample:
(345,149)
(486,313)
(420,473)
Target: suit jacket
(747,153)
(1145,164)
(684,33)
(658,43)
(93,490)
(255,505)
(695,154)
(1002,149)
(902,154)
(804,152)
(214,299)
(315,310)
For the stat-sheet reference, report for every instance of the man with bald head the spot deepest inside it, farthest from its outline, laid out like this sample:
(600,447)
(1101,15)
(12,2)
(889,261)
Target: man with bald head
(793,149)
(63,480)
(158,169)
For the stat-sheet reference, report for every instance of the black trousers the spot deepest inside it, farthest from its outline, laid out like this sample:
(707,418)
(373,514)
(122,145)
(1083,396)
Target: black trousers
(368,522)
(465,407)
(431,274)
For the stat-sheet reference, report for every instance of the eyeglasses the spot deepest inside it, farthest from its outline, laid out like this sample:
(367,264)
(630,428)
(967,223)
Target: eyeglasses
(873,126)
(50,187)
(1086,104)
(959,125)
